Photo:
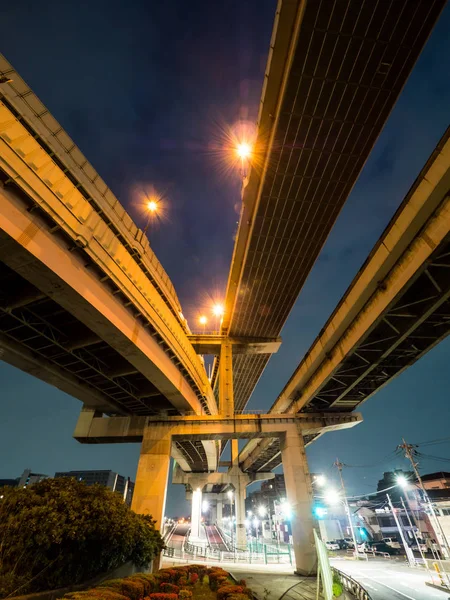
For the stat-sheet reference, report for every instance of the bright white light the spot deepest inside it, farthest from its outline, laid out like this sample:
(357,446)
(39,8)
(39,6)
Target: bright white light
(262,511)
(255,522)
(152,206)
(402,481)
(205,506)
(218,310)
(230,494)
(286,510)
(320,480)
(332,496)
(244,150)
(249,513)
(203,320)
(247,523)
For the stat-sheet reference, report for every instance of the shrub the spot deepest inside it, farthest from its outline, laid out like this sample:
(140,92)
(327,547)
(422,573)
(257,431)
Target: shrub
(61,532)
(148,581)
(242,582)
(194,578)
(96,594)
(132,589)
(162,596)
(169,588)
(337,589)
(183,581)
(185,594)
(226,590)
(217,577)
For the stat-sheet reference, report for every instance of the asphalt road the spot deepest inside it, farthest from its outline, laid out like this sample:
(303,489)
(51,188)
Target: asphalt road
(176,539)
(214,538)
(388,579)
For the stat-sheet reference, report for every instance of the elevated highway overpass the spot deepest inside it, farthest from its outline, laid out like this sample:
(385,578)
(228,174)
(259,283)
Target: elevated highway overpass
(84,303)
(334,72)
(396,309)
(86,306)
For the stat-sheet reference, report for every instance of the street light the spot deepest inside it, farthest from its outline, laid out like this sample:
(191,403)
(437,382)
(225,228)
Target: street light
(320,480)
(203,320)
(152,207)
(205,506)
(262,511)
(244,150)
(218,311)
(402,481)
(332,496)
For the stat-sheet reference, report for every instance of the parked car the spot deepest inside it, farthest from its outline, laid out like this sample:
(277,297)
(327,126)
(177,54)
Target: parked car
(342,544)
(332,545)
(383,547)
(420,547)
(349,542)
(392,542)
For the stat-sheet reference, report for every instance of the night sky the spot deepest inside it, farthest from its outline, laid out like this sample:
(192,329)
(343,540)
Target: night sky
(146,89)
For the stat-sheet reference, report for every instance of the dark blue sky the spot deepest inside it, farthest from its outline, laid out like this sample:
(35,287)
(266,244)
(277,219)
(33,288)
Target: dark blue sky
(145,89)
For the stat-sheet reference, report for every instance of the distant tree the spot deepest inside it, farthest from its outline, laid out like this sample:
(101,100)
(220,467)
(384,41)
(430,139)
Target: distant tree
(61,532)
(390,484)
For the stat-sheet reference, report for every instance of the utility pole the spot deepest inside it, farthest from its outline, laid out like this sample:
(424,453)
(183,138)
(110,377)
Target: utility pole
(413,529)
(409,552)
(339,466)
(408,448)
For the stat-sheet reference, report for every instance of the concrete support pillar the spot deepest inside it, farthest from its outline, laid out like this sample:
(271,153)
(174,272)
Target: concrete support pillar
(149,496)
(212,512)
(219,512)
(299,496)
(240,481)
(196,515)
(152,477)
(226,394)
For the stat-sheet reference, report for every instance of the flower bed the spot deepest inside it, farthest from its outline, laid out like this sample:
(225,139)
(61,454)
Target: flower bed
(190,582)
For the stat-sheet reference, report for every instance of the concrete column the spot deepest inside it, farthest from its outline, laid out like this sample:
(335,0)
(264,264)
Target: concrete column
(299,496)
(240,481)
(196,515)
(212,512)
(149,496)
(226,394)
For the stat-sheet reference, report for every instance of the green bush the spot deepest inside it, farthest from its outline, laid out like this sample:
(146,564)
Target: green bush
(185,594)
(61,532)
(337,589)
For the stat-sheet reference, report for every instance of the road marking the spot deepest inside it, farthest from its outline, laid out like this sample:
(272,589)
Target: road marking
(391,588)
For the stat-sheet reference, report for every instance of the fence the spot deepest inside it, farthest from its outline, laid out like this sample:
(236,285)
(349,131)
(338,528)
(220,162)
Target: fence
(352,586)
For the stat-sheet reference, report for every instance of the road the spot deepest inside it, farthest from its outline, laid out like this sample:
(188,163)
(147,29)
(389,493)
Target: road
(176,538)
(214,538)
(388,579)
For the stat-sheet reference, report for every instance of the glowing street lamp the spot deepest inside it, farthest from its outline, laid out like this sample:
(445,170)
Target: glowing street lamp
(152,208)
(203,320)
(244,150)
(218,311)
(262,511)
(402,481)
(320,480)
(332,496)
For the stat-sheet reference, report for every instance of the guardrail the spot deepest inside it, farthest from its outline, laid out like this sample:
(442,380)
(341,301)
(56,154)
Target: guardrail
(350,585)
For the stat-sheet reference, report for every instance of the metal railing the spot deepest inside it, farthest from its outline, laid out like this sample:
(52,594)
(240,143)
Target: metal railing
(352,586)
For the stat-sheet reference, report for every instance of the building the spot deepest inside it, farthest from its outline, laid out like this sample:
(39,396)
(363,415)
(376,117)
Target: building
(436,481)
(110,479)
(28,478)
(9,482)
